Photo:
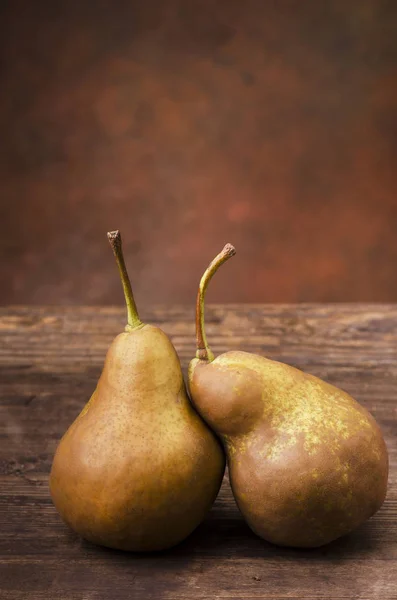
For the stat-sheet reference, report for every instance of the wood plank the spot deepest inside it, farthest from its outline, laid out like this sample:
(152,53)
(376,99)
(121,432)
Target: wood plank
(50,359)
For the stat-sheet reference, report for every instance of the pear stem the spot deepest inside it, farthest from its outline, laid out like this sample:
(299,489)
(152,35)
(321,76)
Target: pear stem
(134,321)
(203,350)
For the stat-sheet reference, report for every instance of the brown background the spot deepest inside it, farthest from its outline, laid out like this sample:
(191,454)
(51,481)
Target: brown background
(188,124)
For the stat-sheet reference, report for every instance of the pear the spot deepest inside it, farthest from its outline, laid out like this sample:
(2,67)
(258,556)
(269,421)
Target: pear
(307,463)
(138,469)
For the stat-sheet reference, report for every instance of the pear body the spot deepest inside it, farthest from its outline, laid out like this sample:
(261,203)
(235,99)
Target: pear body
(138,469)
(307,463)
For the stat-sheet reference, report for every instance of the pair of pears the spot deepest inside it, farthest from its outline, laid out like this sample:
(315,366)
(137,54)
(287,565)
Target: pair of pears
(139,468)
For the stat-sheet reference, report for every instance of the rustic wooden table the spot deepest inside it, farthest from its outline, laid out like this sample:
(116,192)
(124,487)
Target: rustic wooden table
(50,360)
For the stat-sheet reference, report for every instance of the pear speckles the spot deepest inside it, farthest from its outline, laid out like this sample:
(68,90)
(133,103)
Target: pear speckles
(308,410)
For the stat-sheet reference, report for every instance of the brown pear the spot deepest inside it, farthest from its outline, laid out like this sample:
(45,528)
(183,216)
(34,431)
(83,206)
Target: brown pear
(138,469)
(307,463)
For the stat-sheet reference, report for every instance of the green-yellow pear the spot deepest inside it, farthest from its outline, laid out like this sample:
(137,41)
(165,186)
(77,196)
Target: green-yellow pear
(138,469)
(307,463)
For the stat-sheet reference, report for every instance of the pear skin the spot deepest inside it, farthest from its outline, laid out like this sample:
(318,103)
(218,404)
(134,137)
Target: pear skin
(307,463)
(138,469)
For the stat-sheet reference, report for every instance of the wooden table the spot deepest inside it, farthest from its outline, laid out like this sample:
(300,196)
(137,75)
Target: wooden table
(50,361)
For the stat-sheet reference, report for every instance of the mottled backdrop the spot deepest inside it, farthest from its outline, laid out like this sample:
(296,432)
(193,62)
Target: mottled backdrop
(188,124)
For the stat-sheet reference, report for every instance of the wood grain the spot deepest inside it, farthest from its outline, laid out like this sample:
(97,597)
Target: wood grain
(50,359)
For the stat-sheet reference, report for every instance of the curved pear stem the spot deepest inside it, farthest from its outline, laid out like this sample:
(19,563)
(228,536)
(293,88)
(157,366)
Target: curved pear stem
(203,350)
(134,321)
